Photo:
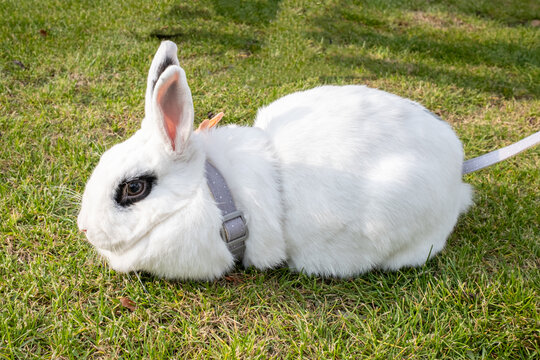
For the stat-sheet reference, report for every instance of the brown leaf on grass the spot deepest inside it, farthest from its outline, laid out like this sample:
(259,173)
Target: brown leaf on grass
(43,32)
(128,303)
(235,279)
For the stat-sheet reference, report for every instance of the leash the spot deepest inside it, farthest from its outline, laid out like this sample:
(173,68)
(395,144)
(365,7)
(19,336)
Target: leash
(501,154)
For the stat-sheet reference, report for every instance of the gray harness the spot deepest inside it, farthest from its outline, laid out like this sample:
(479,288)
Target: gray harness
(234,230)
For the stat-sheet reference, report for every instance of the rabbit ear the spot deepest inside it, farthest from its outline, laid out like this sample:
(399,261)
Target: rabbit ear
(169,106)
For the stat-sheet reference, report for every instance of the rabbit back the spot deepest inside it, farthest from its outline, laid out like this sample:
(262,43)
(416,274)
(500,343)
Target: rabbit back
(369,179)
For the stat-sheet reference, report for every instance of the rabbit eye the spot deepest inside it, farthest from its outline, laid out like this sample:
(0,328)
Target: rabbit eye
(133,190)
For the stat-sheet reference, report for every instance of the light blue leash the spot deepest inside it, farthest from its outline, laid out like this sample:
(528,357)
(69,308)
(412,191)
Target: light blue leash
(501,154)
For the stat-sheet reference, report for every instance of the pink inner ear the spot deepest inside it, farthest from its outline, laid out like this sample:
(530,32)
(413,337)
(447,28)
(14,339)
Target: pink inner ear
(168,99)
(170,126)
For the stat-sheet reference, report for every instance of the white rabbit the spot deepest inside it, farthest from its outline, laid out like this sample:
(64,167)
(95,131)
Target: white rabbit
(333,181)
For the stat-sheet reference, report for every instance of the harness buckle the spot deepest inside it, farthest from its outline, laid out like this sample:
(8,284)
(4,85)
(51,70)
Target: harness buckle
(234,232)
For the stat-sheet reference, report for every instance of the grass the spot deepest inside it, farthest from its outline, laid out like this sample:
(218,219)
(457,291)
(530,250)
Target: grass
(72,78)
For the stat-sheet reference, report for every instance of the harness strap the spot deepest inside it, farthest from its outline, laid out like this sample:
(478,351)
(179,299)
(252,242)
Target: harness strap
(501,154)
(234,230)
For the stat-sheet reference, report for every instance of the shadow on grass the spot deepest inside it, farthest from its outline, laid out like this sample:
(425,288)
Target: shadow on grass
(367,29)
(509,12)
(239,23)
(495,84)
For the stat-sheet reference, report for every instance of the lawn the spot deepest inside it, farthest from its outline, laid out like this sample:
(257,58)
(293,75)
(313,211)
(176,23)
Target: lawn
(72,82)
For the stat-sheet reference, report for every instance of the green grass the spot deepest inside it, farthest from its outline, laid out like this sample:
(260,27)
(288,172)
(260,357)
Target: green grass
(72,78)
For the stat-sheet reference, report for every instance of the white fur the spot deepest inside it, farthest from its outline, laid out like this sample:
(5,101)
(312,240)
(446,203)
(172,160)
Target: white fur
(333,181)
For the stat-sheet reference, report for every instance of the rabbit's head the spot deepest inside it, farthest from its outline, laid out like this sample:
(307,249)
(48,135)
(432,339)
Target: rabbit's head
(146,206)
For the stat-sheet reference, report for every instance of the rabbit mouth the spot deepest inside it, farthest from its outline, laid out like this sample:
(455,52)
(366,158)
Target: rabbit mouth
(102,241)
(111,243)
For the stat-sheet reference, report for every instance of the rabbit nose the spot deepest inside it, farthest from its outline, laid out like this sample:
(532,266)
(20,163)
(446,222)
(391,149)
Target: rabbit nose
(83,230)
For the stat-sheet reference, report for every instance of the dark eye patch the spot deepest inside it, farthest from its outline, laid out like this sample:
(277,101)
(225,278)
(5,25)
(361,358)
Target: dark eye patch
(134,189)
